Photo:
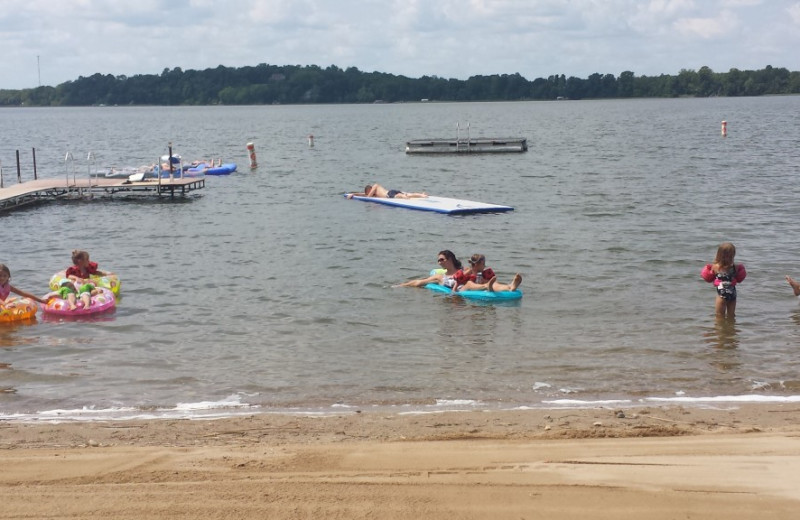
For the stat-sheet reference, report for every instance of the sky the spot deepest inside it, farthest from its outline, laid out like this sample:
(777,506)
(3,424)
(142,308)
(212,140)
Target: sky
(48,42)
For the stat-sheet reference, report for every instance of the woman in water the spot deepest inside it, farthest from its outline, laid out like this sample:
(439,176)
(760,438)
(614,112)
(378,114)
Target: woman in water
(453,276)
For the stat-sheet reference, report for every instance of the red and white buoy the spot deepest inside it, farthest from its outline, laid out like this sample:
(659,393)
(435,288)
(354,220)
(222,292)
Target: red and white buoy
(310,141)
(724,130)
(252,149)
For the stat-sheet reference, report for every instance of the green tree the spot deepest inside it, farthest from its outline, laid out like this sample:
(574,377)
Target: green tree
(625,84)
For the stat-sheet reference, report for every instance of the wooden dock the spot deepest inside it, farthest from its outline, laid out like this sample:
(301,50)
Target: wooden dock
(467,145)
(43,190)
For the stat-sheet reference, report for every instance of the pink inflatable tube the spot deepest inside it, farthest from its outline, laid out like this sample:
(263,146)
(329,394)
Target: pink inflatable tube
(101,302)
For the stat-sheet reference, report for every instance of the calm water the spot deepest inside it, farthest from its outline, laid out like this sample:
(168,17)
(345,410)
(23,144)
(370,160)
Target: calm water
(268,290)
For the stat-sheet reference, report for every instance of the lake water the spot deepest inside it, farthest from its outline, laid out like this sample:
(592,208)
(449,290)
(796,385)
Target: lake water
(269,291)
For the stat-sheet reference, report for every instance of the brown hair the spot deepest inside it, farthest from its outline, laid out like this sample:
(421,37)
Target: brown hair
(451,256)
(4,268)
(724,259)
(79,254)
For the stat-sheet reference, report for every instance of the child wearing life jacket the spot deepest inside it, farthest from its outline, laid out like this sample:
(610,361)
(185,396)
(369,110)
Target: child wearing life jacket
(724,274)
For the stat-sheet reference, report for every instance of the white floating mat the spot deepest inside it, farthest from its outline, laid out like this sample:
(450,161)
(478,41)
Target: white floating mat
(439,204)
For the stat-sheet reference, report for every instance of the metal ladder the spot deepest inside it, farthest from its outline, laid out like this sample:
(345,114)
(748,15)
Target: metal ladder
(462,145)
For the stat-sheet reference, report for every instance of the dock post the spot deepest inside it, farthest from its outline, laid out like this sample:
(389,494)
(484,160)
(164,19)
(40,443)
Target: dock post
(19,172)
(1,174)
(33,151)
(171,170)
(89,168)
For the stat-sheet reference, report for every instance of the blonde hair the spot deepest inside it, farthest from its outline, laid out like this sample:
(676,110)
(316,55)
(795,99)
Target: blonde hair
(724,259)
(78,254)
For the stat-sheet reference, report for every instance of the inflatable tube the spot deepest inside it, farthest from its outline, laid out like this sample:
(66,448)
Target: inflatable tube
(222,169)
(205,168)
(101,302)
(110,281)
(474,295)
(17,309)
(477,295)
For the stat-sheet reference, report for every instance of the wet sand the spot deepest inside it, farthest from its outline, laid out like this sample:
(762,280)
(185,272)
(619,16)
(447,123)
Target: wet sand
(653,462)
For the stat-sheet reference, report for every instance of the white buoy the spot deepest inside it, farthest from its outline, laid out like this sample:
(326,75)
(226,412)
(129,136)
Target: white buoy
(724,130)
(310,141)
(252,149)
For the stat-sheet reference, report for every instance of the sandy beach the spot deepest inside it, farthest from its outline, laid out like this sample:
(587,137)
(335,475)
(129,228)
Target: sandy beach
(653,462)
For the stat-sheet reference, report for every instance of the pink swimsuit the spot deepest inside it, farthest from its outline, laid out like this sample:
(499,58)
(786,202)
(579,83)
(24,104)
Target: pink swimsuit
(5,290)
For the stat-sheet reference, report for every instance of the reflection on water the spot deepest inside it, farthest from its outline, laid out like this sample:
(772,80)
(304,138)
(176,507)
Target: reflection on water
(8,340)
(82,318)
(723,335)
(10,337)
(725,357)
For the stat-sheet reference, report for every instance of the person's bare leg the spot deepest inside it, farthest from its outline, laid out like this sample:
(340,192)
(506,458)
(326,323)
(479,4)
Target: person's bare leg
(420,283)
(794,284)
(731,308)
(507,287)
(720,307)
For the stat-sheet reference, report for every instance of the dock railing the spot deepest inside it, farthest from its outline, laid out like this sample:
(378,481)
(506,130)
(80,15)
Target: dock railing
(71,171)
(460,143)
(90,162)
(69,167)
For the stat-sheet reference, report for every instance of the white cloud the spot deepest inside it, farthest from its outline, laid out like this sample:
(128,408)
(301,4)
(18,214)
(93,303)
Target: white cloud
(447,38)
(794,13)
(725,23)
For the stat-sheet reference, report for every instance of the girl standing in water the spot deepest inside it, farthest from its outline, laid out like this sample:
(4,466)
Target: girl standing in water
(724,274)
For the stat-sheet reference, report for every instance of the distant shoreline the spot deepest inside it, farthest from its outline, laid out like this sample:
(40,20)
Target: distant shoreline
(309,85)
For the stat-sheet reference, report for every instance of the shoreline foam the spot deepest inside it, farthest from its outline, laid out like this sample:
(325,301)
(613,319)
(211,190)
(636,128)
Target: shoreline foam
(233,406)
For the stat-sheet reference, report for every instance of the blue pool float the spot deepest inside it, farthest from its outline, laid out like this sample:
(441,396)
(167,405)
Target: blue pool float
(486,296)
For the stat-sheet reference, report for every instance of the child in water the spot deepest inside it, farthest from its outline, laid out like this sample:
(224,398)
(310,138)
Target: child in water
(82,267)
(71,291)
(724,274)
(6,288)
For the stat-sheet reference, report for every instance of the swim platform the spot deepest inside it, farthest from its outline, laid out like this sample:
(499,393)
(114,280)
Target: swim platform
(438,204)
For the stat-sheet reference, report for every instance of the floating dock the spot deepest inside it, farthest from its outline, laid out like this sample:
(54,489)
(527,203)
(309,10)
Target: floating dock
(43,190)
(458,145)
(445,205)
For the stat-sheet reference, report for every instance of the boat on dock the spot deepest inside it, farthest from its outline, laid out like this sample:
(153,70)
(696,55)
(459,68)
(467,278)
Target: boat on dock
(44,190)
(120,172)
(97,183)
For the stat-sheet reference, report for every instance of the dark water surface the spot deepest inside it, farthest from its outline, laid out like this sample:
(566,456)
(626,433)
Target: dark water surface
(268,290)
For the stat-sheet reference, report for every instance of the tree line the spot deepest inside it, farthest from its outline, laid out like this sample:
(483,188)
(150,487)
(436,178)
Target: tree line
(295,84)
